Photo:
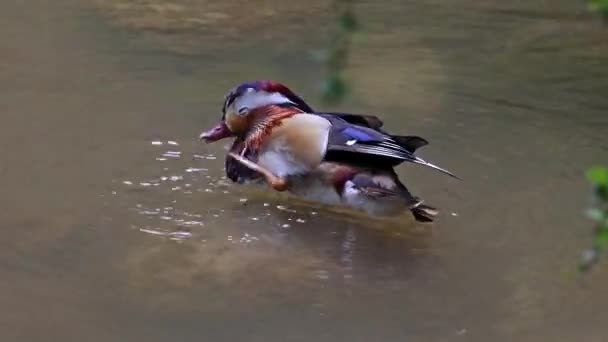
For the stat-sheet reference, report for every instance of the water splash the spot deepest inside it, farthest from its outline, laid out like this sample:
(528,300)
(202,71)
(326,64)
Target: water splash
(174,235)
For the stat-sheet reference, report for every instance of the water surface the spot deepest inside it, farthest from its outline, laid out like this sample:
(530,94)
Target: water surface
(119,226)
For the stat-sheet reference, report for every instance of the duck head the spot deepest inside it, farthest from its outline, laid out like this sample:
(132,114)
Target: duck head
(242,100)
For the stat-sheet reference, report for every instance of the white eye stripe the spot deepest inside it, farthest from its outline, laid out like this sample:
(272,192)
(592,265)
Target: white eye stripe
(253,99)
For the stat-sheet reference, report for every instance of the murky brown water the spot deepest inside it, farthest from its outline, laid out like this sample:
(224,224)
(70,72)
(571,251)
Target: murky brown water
(118,226)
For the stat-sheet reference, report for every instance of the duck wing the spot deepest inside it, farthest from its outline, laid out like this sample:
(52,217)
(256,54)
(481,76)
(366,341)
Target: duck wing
(409,142)
(365,120)
(357,143)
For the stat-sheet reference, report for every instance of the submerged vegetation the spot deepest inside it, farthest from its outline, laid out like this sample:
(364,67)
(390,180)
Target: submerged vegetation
(334,86)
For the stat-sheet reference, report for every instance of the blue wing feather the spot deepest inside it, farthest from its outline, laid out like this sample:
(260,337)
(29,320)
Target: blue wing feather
(364,140)
(358,135)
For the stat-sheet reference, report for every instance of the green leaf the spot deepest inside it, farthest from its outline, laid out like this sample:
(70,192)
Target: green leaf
(601,238)
(598,176)
(599,6)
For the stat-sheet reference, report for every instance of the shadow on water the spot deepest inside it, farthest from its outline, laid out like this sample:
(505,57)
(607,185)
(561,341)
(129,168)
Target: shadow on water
(119,225)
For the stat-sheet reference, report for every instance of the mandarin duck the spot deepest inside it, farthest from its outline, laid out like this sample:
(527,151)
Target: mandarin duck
(327,157)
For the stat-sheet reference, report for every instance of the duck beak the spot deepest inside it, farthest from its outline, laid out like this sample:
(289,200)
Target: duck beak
(220,131)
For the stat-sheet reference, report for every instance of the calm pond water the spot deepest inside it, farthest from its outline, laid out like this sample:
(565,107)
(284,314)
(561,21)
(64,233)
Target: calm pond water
(118,226)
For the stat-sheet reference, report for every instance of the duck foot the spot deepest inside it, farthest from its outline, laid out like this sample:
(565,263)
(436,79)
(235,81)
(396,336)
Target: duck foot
(277,183)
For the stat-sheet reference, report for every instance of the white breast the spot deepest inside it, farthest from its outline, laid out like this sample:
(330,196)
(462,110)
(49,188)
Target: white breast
(276,158)
(296,147)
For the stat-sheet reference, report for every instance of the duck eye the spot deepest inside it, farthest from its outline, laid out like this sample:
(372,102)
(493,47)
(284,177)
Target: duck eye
(243,110)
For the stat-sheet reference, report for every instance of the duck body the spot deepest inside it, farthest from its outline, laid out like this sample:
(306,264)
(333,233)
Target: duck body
(296,147)
(377,192)
(329,158)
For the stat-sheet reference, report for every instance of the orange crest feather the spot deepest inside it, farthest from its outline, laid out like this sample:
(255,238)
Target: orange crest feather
(265,119)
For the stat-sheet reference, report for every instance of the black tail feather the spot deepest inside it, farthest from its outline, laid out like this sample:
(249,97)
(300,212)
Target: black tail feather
(424,213)
(410,142)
